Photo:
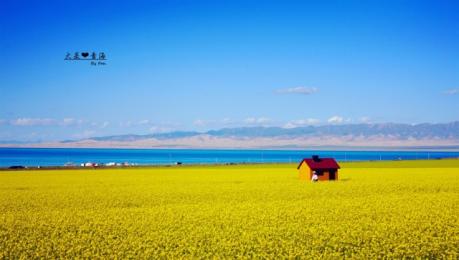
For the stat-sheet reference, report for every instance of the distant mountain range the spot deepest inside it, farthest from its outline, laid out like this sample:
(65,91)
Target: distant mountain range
(448,131)
(372,136)
(387,135)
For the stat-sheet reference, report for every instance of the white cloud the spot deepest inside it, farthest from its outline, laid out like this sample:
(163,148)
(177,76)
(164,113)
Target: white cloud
(227,121)
(335,120)
(338,120)
(200,122)
(215,123)
(136,123)
(144,122)
(298,90)
(451,92)
(125,124)
(33,122)
(65,122)
(68,121)
(84,134)
(104,124)
(301,122)
(365,120)
(160,129)
(259,120)
(71,122)
(147,124)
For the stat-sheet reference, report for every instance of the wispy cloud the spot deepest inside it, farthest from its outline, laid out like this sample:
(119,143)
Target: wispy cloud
(227,121)
(200,122)
(71,122)
(365,120)
(160,129)
(125,124)
(257,121)
(51,122)
(301,122)
(144,122)
(68,121)
(298,90)
(85,134)
(452,91)
(338,120)
(224,122)
(33,122)
(133,123)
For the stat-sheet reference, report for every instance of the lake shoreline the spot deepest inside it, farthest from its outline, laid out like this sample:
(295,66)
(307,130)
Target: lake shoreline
(420,163)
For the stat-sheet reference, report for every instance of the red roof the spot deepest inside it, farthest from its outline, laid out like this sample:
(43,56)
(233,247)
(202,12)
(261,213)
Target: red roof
(321,164)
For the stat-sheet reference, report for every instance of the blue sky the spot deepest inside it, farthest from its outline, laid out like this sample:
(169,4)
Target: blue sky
(198,65)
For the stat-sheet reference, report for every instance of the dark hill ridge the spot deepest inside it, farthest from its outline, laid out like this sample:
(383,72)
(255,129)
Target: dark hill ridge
(445,131)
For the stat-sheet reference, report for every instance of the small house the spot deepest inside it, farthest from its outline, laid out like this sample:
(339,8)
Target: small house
(326,169)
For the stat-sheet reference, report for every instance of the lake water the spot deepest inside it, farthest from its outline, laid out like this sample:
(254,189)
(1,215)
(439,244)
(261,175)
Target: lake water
(60,156)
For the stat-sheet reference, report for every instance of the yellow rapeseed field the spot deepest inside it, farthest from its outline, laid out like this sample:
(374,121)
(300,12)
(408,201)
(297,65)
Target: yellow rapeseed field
(231,212)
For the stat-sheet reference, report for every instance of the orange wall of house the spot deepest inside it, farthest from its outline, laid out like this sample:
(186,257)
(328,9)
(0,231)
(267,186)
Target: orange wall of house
(324,177)
(305,172)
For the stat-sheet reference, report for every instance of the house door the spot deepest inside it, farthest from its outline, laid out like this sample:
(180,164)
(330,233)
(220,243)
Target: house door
(332,175)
